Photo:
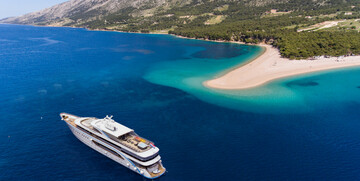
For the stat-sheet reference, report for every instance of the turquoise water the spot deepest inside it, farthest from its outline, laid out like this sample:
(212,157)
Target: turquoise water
(296,94)
(300,128)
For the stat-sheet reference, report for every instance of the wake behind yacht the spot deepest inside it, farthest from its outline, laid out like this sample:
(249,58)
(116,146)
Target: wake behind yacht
(117,142)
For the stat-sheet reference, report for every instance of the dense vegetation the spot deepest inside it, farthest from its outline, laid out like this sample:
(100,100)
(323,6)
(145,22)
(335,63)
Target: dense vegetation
(309,44)
(293,27)
(253,24)
(275,31)
(281,31)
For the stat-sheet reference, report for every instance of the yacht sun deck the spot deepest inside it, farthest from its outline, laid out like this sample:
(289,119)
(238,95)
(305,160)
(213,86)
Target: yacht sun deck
(119,133)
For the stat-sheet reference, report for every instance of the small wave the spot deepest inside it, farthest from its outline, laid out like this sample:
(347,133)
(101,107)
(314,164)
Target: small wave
(128,58)
(7,40)
(57,86)
(142,51)
(85,48)
(48,41)
(42,91)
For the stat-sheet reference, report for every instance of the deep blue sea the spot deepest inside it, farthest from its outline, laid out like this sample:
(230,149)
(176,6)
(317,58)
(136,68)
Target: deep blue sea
(299,128)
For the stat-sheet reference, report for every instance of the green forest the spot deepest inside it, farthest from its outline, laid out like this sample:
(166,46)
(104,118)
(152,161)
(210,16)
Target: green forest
(253,24)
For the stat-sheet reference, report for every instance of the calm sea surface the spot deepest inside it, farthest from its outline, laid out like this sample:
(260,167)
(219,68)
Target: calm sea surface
(299,128)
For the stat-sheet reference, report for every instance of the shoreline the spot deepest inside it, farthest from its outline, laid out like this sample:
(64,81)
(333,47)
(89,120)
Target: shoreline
(264,68)
(270,66)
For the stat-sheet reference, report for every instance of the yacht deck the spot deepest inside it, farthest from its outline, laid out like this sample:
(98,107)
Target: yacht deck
(161,169)
(70,120)
(130,140)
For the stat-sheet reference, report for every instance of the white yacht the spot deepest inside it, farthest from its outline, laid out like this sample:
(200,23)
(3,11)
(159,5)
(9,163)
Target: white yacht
(117,142)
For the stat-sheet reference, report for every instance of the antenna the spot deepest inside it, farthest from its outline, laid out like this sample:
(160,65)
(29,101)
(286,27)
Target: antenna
(108,122)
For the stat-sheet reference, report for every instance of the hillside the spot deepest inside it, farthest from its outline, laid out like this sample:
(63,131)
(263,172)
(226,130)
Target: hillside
(134,15)
(296,27)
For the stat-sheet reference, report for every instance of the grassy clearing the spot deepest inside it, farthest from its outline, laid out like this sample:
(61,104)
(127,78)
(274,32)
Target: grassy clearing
(189,17)
(293,26)
(350,24)
(333,15)
(274,14)
(166,31)
(320,26)
(215,20)
(222,8)
(326,16)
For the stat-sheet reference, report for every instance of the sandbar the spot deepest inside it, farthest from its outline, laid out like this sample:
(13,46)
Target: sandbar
(271,66)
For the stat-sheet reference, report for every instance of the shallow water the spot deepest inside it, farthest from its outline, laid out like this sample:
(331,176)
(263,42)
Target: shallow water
(297,94)
(299,128)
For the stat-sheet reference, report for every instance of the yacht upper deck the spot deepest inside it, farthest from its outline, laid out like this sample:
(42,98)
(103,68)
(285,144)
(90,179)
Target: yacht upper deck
(118,133)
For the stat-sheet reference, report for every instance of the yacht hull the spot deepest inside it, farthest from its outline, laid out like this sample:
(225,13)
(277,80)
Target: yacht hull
(94,144)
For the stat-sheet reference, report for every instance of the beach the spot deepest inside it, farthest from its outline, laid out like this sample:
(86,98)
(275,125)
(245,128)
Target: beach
(271,66)
(268,66)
